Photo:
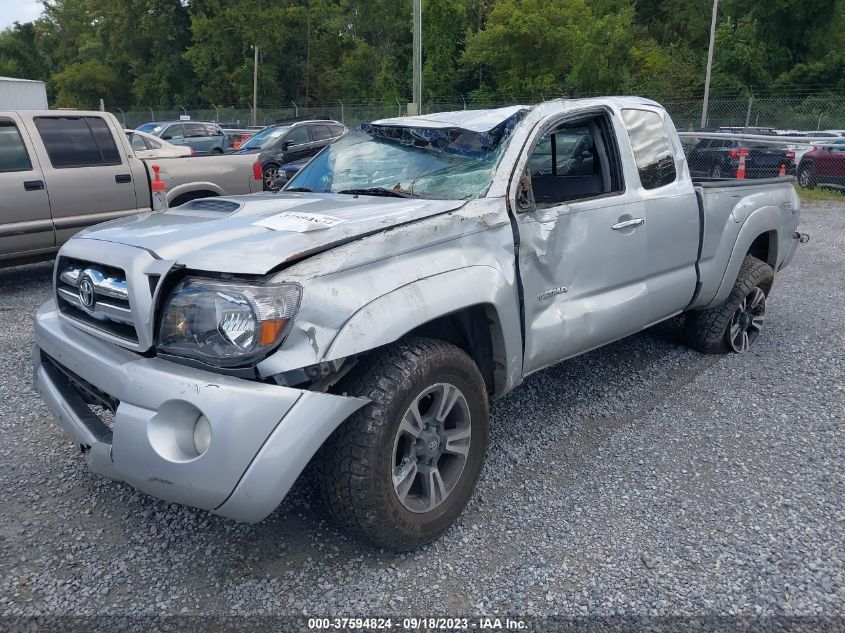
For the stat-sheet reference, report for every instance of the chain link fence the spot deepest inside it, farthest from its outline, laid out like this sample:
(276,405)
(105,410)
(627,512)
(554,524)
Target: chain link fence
(818,161)
(799,113)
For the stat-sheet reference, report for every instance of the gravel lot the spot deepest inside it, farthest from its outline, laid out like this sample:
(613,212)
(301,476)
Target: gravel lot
(643,479)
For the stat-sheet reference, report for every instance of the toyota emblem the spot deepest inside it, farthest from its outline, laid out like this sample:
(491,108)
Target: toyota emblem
(86,293)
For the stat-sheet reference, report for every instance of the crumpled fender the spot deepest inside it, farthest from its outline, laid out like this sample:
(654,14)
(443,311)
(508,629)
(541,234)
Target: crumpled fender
(392,315)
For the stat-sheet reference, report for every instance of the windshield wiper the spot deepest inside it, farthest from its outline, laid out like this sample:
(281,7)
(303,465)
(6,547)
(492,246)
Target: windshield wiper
(378,191)
(300,189)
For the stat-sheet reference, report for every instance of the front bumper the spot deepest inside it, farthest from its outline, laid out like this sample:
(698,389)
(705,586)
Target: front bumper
(262,435)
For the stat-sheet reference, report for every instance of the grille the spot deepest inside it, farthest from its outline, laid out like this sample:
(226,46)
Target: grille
(96,295)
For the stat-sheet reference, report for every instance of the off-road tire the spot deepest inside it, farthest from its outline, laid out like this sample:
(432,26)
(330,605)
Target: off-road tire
(354,467)
(707,330)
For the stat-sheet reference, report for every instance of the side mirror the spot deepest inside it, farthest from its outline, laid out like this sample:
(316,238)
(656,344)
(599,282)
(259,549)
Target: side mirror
(166,137)
(286,145)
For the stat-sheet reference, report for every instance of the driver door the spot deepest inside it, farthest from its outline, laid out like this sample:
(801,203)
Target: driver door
(582,247)
(296,144)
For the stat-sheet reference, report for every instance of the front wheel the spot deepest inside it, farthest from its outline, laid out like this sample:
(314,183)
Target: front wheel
(735,325)
(402,469)
(271,175)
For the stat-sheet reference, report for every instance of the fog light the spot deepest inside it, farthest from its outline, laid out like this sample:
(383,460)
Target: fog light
(202,434)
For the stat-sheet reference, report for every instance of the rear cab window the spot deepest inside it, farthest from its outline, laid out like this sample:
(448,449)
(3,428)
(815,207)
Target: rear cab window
(78,141)
(652,148)
(13,154)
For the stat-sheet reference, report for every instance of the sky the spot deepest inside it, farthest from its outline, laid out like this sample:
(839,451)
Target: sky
(18,11)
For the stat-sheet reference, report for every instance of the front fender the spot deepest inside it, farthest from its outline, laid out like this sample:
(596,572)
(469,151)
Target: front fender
(394,314)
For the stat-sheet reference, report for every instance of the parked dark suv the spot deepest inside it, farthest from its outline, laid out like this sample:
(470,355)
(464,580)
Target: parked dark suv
(285,143)
(823,166)
(719,158)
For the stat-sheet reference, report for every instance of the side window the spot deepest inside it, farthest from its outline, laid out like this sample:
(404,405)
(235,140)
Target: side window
(213,130)
(194,130)
(574,161)
(652,149)
(337,130)
(13,154)
(298,136)
(151,144)
(320,132)
(174,131)
(77,141)
(138,143)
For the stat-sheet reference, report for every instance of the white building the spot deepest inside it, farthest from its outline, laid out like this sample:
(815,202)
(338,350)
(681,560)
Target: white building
(22,94)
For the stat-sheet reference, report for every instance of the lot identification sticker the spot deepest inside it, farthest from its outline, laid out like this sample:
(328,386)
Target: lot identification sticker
(299,222)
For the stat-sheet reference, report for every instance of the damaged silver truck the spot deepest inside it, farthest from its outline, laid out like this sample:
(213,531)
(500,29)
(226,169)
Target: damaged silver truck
(363,318)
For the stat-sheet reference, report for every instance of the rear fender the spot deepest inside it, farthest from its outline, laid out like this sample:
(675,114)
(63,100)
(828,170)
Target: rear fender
(763,220)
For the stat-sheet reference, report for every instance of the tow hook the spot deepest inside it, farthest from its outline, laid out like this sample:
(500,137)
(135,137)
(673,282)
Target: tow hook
(802,238)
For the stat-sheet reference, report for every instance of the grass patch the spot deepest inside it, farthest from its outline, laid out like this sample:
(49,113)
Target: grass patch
(821,193)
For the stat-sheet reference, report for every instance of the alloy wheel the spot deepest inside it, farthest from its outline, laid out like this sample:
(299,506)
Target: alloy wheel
(747,321)
(431,447)
(271,173)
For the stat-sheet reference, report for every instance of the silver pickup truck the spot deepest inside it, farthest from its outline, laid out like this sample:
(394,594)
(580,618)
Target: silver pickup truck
(363,318)
(61,171)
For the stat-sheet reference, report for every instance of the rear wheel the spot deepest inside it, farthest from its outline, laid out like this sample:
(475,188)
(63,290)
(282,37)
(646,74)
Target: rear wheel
(217,151)
(402,469)
(735,325)
(807,176)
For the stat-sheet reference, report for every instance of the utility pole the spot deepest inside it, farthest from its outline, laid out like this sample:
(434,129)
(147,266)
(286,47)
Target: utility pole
(709,64)
(417,63)
(255,88)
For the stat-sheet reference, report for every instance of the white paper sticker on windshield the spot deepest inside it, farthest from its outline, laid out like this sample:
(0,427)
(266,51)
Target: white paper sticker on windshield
(299,222)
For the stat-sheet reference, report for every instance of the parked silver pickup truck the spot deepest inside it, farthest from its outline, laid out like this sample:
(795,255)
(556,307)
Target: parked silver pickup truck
(61,171)
(364,317)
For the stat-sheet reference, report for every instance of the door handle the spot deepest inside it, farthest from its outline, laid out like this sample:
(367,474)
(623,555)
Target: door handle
(33,185)
(627,224)
(123,178)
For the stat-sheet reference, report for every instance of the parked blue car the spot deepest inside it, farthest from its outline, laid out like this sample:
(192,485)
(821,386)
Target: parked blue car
(202,137)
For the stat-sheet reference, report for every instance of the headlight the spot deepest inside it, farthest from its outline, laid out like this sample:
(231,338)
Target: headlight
(226,323)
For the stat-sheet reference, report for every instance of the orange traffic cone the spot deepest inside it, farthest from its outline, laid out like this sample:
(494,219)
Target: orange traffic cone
(740,171)
(159,189)
(782,171)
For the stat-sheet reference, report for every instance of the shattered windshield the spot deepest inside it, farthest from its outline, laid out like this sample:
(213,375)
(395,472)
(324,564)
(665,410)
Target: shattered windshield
(448,163)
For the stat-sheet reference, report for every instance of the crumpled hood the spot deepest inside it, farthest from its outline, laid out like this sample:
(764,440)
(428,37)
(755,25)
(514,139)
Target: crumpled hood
(222,241)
